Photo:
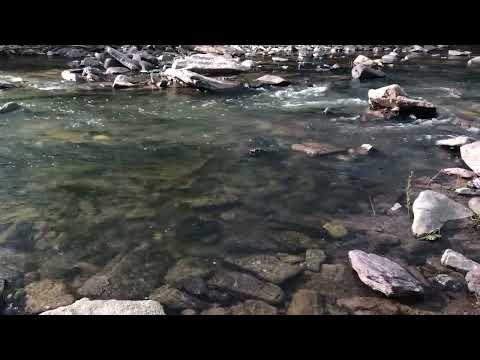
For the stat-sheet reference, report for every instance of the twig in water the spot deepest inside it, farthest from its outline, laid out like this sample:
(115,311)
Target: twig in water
(434,177)
(371,204)
(408,191)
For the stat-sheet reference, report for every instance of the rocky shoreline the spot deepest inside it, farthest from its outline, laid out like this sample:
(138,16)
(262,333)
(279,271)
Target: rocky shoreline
(304,278)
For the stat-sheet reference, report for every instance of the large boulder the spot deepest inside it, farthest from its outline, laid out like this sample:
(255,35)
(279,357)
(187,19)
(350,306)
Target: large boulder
(210,64)
(474,62)
(384,275)
(363,60)
(431,210)
(393,100)
(471,155)
(198,81)
(86,306)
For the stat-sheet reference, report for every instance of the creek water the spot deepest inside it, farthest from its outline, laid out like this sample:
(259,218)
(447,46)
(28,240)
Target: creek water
(88,173)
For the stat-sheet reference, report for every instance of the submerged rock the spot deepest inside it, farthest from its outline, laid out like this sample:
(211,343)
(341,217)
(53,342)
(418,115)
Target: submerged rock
(253,307)
(198,81)
(392,99)
(431,210)
(45,295)
(175,299)
(471,155)
(314,258)
(267,267)
(384,275)
(10,107)
(318,149)
(246,285)
(306,302)
(457,261)
(86,306)
(336,230)
(359,305)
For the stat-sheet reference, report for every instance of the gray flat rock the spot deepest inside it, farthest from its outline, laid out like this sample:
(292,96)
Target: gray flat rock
(86,306)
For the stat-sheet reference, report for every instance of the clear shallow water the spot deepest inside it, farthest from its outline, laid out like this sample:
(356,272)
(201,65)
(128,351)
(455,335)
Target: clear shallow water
(88,173)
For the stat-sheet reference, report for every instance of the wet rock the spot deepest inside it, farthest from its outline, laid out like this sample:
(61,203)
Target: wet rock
(115,70)
(46,295)
(194,229)
(208,49)
(306,302)
(89,61)
(455,142)
(189,312)
(279,59)
(392,99)
(109,307)
(175,299)
(273,80)
(473,281)
(363,72)
(294,241)
(128,276)
(335,230)
(5,85)
(431,210)
(212,200)
(448,282)
(210,64)
(314,258)
(359,305)
(122,81)
(100,56)
(474,205)
(467,191)
(474,62)
(122,59)
(390,58)
(253,307)
(74,75)
(146,66)
(457,53)
(9,107)
(198,81)
(216,311)
(363,60)
(92,74)
(457,261)
(471,155)
(246,285)
(317,149)
(463,173)
(187,269)
(384,275)
(266,267)
(291,259)
(110,62)
(12,264)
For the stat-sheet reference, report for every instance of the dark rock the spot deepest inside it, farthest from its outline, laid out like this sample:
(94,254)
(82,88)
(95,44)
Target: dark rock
(4,85)
(448,282)
(363,72)
(266,267)
(253,307)
(306,302)
(246,285)
(128,276)
(376,306)
(109,62)
(384,275)
(9,107)
(92,74)
(175,299)
(89,61)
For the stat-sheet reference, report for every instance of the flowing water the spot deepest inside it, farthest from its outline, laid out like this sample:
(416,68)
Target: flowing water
(88,173)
